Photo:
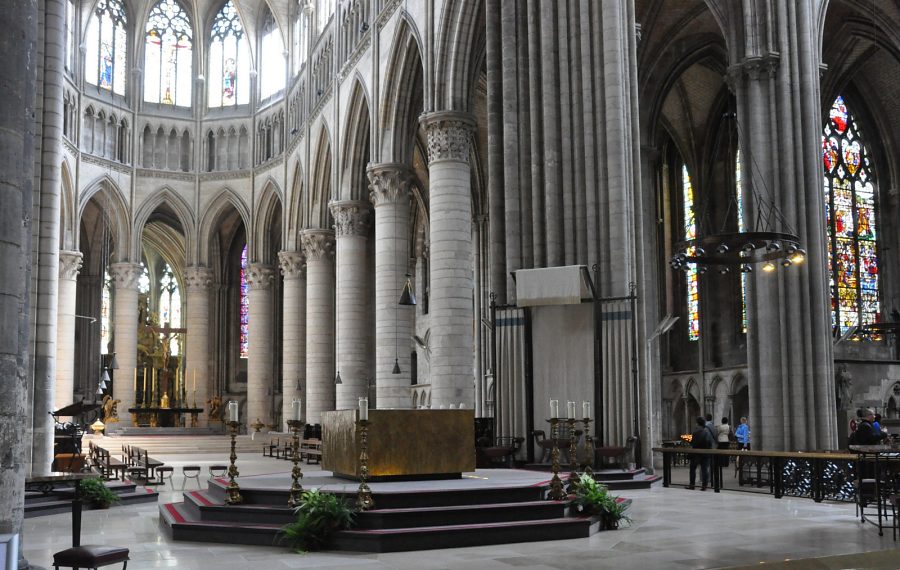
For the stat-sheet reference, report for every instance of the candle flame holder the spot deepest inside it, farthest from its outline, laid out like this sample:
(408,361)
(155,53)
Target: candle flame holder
(296,473)
(364,500)
(573,457)
(233,490)
(556,486)
(589,447)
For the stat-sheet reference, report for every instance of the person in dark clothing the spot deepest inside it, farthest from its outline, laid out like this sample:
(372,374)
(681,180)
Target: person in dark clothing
(865,433)
(701,439)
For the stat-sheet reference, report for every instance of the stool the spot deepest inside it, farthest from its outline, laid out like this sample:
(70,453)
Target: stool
(165,472)
(190,472)
(90,556)
(137,473)
(218,470)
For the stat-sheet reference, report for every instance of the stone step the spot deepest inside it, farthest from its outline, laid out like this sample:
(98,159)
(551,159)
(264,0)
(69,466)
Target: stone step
(60,500)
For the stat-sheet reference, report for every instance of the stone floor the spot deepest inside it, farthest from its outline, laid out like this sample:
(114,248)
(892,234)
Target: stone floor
(672,528)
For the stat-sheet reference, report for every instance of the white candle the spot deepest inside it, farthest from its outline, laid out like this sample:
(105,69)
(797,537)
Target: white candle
(363,409)
(570,409)
(554,408)
(296,406)
(232,411)
(586,410)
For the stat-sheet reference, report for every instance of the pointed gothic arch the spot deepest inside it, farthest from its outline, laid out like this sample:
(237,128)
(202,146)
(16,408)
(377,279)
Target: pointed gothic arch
(267,225)
(115,211)
(356,153)
(403,85)
(167,196)
(213,212)
(321,191)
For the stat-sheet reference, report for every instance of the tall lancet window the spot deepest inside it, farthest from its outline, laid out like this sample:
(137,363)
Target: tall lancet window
(244,339)
(738,184)
(229,60)
(692,274)
(271,58)
(106,313)
(324,11)
(168,53)
(170,305)
(106,47)
(850,218)
(301,40)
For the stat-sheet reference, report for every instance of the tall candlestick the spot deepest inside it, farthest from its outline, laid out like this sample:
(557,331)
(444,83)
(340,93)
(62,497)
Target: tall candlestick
(554,408)
(570,410)
(195,380)
(364,409)
(297,407)
(135,383)
(232,411)
(586,410)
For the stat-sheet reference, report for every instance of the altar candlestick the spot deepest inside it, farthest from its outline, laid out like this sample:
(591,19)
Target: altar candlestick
(135,382)
(554,408)
(232,411)
(296,406)
(364,409)
(195,380)
(586,410)
(570,410)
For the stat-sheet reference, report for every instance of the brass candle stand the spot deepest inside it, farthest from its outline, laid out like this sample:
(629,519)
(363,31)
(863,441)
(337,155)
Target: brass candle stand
(589,447)
(296,474)
(364,499)
(573,456)
(233,491)
(556,486)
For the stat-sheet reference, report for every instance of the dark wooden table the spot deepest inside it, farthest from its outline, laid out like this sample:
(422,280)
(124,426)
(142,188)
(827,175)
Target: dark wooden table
(42,482)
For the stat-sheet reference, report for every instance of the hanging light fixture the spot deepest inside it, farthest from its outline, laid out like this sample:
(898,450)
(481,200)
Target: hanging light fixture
(337,378)
(104,379)
(767,239)
(407,298)
(113,363)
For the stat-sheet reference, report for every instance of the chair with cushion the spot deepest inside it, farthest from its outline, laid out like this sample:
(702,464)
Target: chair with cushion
(218,470)
(190,472)
(90,556)
(165,473)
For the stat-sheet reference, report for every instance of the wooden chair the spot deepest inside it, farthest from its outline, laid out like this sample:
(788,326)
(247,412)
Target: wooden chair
(543,443)
(90,556)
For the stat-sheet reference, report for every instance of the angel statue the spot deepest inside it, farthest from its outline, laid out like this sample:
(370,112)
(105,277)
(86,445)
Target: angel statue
(110,409)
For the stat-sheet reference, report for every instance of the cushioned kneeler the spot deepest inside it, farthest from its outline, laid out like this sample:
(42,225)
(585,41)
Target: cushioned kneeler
(90,556)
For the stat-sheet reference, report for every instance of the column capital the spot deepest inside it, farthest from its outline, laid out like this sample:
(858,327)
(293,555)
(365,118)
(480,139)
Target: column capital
(293,264)
(70,264)
(318,245)
(389,182)
(755,67)
(197,279)
(449,135)
(261,276)
(125,275)
(351,217)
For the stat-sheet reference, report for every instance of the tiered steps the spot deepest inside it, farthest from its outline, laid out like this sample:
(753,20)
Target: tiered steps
(402,521)
(182,444)
(614,479)
(60,500)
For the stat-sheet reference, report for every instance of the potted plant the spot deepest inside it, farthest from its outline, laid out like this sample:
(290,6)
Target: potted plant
(319,516)
(593,499)
(98,494)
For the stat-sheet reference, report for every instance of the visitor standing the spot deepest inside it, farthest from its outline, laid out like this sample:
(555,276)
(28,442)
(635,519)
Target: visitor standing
(723,440)
(742,433)
(700,439)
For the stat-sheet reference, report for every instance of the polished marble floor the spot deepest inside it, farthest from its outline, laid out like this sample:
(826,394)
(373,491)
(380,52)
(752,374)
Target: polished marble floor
(671,528)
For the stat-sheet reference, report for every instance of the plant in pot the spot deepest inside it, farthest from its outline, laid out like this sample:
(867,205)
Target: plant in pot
(98,494)
(593,499)
(319,516)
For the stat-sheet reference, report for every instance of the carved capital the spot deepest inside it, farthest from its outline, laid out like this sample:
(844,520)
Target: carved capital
(261,276)
(197,279)
(293,264)
(755,67)
(318,245)
(351,218)
(70,264)
(389,182)
(125,275)
(449,135)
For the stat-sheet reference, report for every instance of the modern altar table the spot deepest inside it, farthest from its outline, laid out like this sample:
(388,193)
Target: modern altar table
(402,444)
(163,417)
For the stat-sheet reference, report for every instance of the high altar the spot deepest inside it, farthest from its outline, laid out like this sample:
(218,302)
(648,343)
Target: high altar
(402,444)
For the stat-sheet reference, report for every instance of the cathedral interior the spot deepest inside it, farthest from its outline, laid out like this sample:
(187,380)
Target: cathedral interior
(208,201)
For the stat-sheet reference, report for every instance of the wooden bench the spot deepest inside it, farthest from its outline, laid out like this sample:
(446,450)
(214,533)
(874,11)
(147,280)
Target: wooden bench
(109,467)
(272,448)
(311,450)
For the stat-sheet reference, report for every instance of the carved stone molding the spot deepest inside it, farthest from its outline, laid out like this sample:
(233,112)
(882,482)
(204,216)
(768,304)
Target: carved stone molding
(351,217)
(125,275)
(389,182)
(755,67)
(318,245)
(197,279)
(449,135)
(293,264)
(261,276)
(70,264)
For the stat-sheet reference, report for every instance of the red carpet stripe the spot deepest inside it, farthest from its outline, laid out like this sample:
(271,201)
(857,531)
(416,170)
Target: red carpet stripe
(174,512)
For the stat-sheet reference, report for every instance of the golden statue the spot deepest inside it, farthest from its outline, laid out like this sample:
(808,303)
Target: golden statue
(110,410)
(164,401)
(215,408)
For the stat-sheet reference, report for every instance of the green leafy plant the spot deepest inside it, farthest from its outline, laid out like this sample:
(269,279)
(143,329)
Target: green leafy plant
(593,498)
(97,493)
(319,516)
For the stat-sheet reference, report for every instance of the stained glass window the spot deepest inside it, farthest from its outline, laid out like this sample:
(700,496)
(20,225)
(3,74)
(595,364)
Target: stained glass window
(105,313)
(229,60)
(168,55)
(850,219)
(301,40)
(245,307)
(144,280)
(105,46)
(71,46)
(170,305)
(271,74)
(738,184)
(693,275)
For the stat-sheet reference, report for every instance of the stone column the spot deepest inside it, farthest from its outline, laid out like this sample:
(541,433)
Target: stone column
(293,337)
(351,225)
(69,266)
(389,191)
(318,245)
(19,20)
(452,285)
(260,277)
(197,353)
(125,322)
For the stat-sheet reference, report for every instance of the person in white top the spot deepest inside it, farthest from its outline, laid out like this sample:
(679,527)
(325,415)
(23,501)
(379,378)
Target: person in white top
(723,439)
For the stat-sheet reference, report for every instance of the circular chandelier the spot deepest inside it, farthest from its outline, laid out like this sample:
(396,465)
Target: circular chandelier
(768,240)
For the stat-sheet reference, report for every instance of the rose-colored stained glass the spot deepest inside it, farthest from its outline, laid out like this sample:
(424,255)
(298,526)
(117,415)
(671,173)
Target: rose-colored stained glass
(244,307)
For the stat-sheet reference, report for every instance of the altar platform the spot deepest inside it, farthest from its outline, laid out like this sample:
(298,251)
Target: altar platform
(489,506)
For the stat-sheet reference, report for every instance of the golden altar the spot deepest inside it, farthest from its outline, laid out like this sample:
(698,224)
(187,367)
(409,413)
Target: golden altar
(402,444)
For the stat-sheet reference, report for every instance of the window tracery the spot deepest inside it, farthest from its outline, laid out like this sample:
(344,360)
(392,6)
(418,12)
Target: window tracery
(229,60)
(106,47)
(168,55)
(244,339)
(271,60)
(692,273)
